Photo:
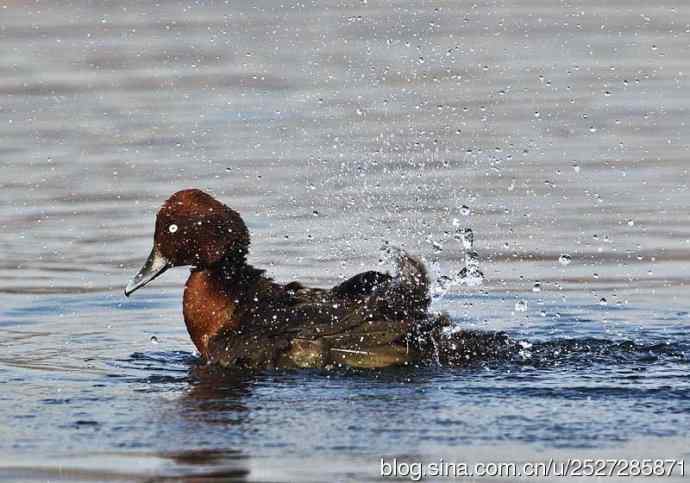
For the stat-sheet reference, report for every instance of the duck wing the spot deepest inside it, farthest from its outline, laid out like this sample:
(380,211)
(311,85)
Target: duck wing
(371,305)
(362,284)
(317,329)
(382,314)
(362,322)
(354,342)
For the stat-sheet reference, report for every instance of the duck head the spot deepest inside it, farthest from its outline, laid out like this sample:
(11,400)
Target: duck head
(193,228)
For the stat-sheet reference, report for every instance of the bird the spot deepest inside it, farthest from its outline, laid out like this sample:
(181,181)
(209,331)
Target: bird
(238,317)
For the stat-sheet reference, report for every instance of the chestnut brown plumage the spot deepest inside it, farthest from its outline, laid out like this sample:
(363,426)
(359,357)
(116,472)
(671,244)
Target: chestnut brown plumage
(193,228)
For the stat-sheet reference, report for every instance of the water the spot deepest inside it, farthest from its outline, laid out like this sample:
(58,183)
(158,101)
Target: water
(551,129)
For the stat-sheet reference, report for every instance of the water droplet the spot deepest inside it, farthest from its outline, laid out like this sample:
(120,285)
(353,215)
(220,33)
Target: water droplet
(443,283)
(465,210)
(315,213)
(631,222)
(471,276)
(576,168)
(472,259)
(565,260)
(388,253)
(154,339)
(603,301)
(521,306)
(592,129)
(536,287)
(466,236)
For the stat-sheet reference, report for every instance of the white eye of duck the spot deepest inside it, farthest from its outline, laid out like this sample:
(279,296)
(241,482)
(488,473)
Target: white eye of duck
(172,228)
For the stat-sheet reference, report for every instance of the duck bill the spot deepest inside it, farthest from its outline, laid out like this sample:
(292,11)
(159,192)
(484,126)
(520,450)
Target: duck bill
(154,266)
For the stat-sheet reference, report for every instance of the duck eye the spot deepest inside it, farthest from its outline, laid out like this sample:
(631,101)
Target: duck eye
(172,228)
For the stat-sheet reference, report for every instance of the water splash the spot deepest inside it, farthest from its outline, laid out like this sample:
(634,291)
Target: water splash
(470,275)
(466,236)
(389,254)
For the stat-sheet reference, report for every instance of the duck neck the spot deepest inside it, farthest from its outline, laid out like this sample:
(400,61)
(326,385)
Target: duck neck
(213,296)
(235,270)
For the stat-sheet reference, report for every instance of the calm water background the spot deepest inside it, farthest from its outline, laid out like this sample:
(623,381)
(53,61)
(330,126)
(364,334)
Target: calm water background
(334,127)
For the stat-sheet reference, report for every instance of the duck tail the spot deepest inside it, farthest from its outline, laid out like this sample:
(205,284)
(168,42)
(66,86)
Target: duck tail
(413,282)
(413,274)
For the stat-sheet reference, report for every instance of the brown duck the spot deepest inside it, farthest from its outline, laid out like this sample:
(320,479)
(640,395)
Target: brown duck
(237,316)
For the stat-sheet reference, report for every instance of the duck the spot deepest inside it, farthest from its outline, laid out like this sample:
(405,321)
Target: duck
(238,317)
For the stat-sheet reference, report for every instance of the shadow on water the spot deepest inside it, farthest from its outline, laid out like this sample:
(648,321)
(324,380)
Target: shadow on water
(216,396)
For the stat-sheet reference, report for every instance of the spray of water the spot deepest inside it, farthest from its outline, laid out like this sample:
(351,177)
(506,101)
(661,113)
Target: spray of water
(470,275)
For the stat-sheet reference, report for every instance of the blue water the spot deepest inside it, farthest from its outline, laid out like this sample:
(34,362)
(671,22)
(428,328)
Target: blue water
(579,385)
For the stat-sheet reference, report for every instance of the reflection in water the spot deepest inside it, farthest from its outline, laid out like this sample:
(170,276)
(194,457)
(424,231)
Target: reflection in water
(217,396)
(200,466)
(194,466)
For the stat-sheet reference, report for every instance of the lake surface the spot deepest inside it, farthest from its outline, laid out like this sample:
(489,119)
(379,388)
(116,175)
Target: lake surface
(549,128)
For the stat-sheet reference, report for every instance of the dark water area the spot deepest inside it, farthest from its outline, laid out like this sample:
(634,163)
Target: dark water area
(557,131)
